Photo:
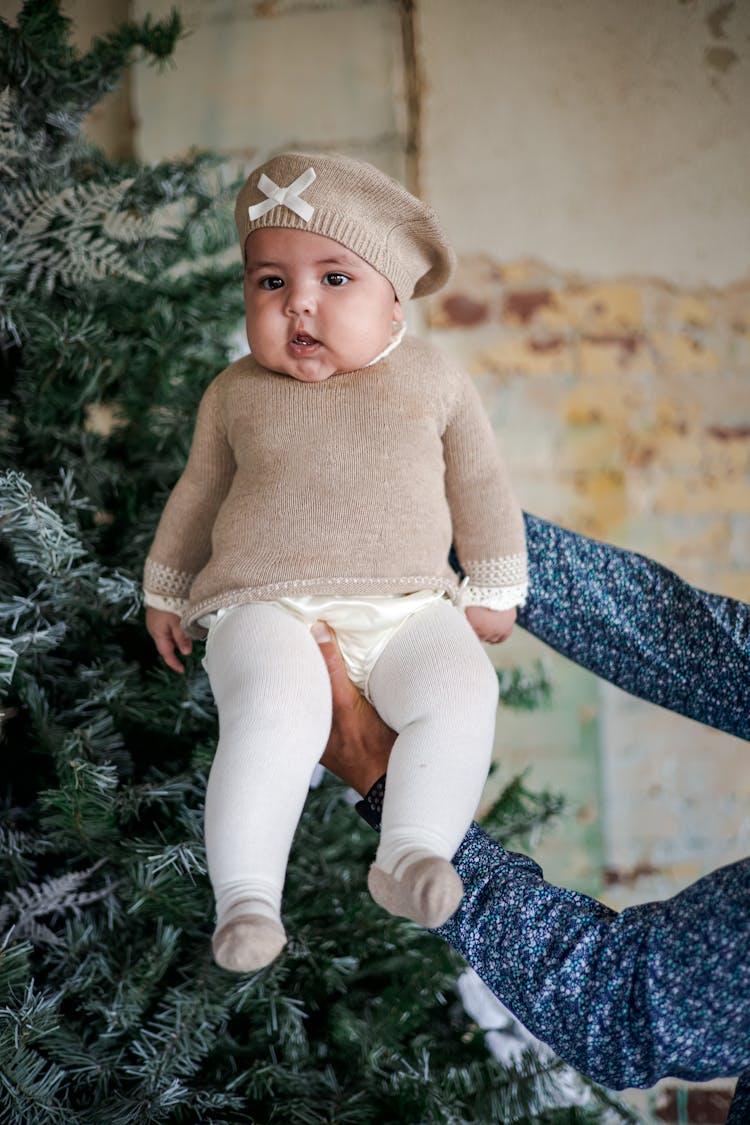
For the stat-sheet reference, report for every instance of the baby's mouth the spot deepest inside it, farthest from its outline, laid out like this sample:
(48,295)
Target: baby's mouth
(303,340)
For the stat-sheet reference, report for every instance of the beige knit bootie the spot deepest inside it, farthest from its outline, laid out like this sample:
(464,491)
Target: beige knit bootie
(426,890)
(247,943)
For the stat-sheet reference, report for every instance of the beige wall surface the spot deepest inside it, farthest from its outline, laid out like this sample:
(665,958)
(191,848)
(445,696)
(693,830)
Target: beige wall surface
(254,78)
(590,159)
(601,136)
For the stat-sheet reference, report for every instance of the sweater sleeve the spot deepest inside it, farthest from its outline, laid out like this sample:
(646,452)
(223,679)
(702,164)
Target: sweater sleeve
(488,529)
(182,545)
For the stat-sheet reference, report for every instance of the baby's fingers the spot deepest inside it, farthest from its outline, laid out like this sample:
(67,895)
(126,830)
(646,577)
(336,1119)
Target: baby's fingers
(165,646)
(182,640)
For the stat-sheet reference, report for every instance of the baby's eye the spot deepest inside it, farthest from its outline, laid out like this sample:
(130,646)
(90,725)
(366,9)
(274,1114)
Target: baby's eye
(270,283)
(335,279)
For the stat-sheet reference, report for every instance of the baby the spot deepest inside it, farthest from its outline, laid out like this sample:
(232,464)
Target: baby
(330,471)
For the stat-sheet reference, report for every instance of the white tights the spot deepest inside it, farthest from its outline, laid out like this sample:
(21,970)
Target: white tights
(433,684)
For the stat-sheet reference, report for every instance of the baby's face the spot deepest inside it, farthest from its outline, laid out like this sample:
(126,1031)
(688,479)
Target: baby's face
(313,308)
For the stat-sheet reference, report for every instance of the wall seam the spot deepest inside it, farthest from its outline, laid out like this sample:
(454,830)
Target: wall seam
(414,87)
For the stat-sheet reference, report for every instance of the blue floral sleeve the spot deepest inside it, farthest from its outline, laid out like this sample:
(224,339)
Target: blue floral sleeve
(637,624)
(656,990)
(661,989)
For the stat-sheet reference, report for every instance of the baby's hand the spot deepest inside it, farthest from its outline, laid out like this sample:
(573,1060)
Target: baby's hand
(168,635)
(491,625)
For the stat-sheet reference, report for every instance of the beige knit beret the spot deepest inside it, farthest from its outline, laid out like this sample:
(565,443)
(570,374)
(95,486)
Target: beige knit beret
(354,204)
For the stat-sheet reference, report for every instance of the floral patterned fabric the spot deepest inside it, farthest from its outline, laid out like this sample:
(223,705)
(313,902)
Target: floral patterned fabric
(636,624)
(661,989)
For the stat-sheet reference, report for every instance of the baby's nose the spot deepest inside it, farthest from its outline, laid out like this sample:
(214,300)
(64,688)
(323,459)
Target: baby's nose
(299,300)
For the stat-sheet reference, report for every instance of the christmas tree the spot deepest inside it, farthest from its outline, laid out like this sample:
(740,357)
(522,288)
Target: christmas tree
(117,302)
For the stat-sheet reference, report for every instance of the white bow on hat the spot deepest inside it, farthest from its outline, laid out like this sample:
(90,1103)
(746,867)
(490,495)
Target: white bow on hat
(284,196)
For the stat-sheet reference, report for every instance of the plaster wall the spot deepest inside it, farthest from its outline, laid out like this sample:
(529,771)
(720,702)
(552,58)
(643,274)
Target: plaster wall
(590,161)
(601,137)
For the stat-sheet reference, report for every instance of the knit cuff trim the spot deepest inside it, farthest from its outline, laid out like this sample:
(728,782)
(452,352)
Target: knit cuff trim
(166,582)
(495,597)
(171,605)
(507,571)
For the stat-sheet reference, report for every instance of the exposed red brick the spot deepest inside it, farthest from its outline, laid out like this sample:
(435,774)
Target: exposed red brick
(640,456)
(628,343)
(524,303)
(463,310)
(613,877)
(729,433)
(552,345)
(704,1107)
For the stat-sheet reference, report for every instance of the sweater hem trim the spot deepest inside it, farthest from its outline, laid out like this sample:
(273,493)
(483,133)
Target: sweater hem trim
(337,587)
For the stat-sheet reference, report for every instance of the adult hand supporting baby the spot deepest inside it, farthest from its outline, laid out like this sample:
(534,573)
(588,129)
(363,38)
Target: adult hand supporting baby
(360,742)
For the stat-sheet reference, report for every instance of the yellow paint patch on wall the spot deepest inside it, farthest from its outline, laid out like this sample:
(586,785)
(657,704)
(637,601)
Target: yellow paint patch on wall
(714,539)
(738,306)
(696,495)
(727,452)
(681,353)
(734,583)
(604,308)
(616,354)
(672,449)
(526,356)
(591,446)
(620,404)
(608,402)
(103,418)
(604,496)
(695,310)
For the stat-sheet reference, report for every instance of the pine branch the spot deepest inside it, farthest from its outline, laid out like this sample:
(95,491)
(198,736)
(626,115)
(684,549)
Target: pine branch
(14,967)
(524,689)
(37,640)
(22,909)
(37,55)
(68,237)
(32,1087)
(39,539)
(8,660)
(18,853)
(80,815)
(519,814)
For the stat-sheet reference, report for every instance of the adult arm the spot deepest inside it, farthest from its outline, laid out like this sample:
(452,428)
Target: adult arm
(661,989)
(658,990)
(637,624)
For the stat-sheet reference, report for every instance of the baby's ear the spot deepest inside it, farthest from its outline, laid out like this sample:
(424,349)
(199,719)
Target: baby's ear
(398,312)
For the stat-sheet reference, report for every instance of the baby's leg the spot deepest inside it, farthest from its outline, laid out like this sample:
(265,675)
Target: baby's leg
(274,702)
(435,686)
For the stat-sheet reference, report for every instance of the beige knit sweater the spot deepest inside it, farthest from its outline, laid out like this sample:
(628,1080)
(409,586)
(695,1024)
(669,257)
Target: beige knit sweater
(353,486)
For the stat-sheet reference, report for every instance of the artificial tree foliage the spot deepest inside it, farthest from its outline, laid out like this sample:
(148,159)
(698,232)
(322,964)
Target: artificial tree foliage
(119,293)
